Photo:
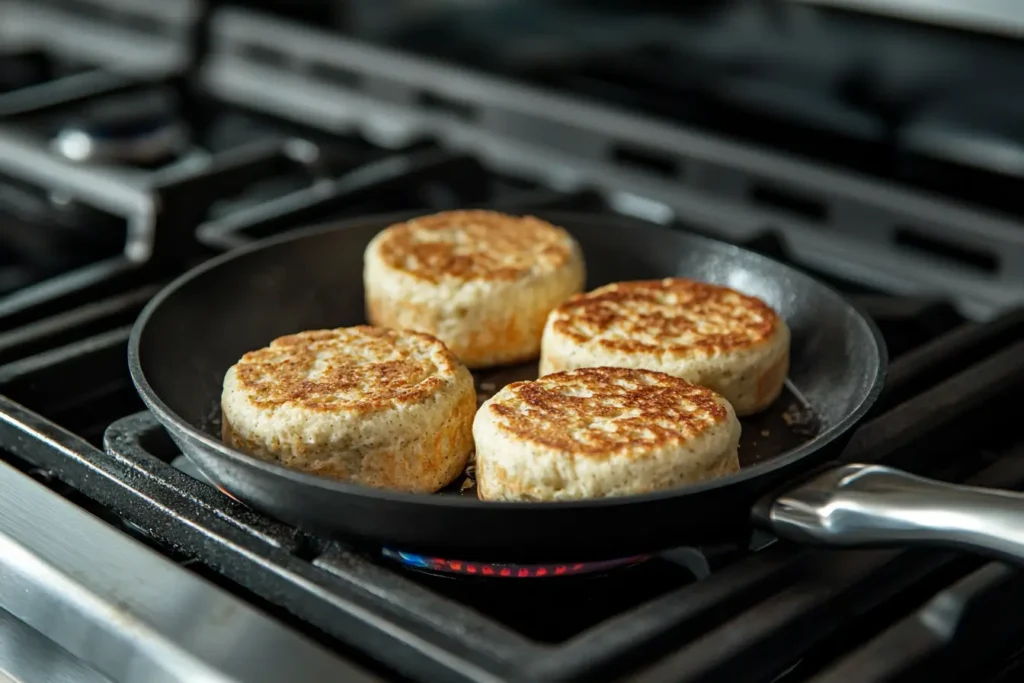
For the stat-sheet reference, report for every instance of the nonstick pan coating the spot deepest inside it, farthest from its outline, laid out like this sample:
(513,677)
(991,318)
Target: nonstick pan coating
(196,328)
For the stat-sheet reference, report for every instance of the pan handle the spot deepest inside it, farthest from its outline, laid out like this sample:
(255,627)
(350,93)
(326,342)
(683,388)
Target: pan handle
(872,505)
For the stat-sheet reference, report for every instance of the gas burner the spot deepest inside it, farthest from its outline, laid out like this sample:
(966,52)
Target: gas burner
(437,565)
(443,567)
(137,129)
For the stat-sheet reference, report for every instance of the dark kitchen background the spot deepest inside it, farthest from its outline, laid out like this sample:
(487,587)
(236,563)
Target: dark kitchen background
(877,145)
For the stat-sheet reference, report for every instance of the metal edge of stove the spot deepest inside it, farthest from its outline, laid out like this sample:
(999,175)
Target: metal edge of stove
(140,37)
(107,189)
(570,144)
(997,17)
(339,592)
(23,651)
(130,613)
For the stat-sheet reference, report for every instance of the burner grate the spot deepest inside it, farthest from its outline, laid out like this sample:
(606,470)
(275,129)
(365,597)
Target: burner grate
(981,605)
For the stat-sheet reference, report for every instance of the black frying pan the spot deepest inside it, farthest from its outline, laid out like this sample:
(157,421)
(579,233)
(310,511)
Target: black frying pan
(198,326)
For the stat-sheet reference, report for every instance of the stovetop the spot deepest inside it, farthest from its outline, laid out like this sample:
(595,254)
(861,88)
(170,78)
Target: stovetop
(893,166)
(889,99)
(282,126)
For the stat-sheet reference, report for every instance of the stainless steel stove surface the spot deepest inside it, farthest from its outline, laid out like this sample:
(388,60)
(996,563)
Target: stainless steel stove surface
(118,562)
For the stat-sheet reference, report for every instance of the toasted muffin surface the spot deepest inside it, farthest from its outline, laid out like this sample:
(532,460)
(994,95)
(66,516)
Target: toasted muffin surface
(601,431)
(672,316)
(599,412)
(715,336)
(475,245)
(374,406)
(356,369)
(482,282)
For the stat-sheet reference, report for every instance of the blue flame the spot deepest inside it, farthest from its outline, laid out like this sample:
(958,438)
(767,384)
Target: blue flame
(407,558)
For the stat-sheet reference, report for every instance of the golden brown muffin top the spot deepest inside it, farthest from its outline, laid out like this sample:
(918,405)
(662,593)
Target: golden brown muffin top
(673,317)
(475,245)
(350,369)
(600,412)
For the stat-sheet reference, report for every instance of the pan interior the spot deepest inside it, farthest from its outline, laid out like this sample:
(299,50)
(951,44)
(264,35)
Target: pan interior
(205,321)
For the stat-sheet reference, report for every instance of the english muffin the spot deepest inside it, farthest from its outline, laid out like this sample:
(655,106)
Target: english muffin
(706,334)
(598,432)
(481,282)
(384,408)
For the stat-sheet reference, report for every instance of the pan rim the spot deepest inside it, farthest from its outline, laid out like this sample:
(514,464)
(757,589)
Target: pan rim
(172,421)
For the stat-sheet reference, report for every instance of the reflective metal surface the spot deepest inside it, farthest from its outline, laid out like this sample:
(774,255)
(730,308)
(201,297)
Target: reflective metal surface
(865,505)
(998,17)
(27,655)
(126,611)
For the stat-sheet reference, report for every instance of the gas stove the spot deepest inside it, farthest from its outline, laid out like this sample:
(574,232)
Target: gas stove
(216,128)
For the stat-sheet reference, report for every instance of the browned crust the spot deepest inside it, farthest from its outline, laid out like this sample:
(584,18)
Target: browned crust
(474,245)
(653,409)
(279,373)
(715,319)
(426,466)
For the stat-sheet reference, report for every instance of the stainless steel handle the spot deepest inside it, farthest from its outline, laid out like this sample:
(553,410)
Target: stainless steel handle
(871,505)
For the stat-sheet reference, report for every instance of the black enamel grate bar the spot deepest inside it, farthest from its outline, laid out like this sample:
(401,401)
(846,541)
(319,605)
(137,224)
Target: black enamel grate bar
(92,318)
(70,291)
(770,610)
(414,180)
(161,214)
(423,177)
(428,179)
